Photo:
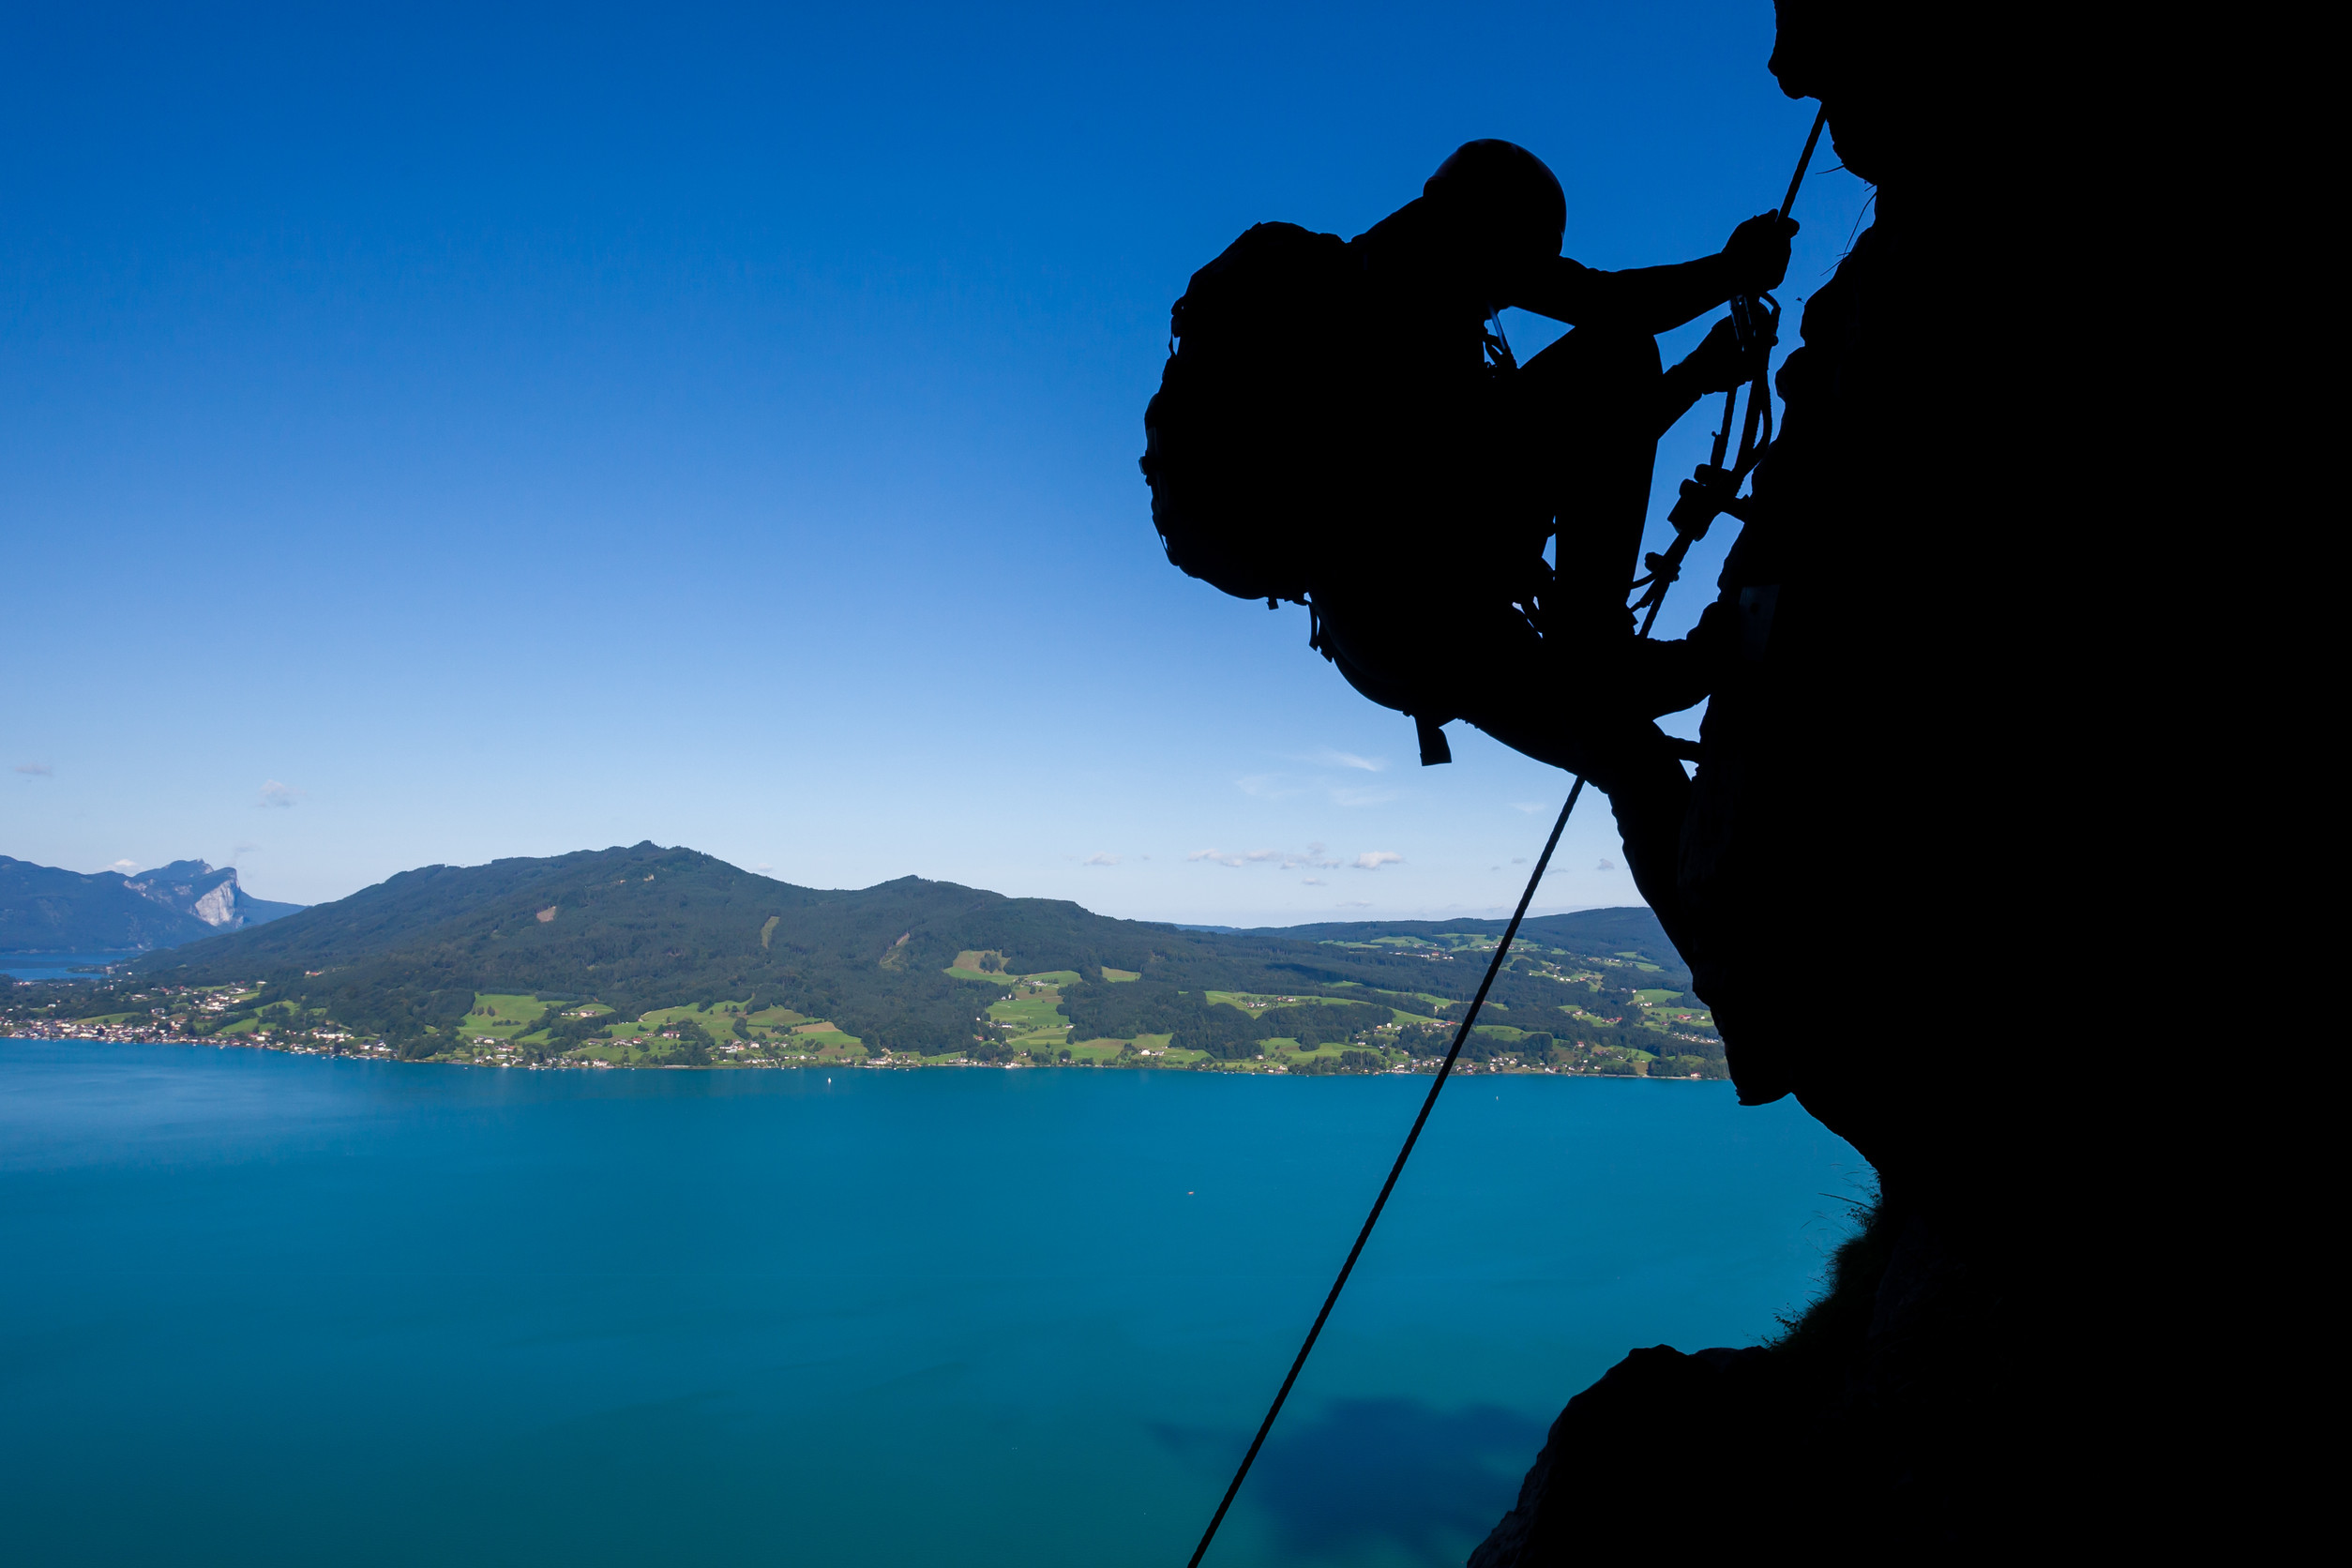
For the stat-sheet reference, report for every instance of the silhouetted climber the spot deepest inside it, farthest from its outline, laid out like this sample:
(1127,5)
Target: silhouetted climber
(1473,462)
(1338,424)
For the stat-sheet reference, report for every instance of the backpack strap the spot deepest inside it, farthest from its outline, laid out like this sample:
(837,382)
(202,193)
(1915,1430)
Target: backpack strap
(1431,732)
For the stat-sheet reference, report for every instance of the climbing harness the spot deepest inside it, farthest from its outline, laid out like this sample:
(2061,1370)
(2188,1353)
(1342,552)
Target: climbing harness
(1713,490)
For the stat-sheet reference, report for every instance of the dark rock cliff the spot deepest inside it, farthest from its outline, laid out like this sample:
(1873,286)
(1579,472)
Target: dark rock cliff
(1913,738)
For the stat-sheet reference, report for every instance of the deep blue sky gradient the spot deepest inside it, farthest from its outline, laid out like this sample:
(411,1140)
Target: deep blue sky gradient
(428,437)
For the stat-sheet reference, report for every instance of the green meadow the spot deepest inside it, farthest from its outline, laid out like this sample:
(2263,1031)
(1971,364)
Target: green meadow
(1567,1012)
(1019,1020)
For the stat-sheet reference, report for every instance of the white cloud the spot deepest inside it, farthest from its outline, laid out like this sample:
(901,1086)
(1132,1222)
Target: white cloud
(1315,882)
(1372,860)
(1268,786)
(1606,864)
(1362,797)
(1529,806)
(1331,758)
(1282,859)
(125,867)
(1100,858)
(274,793)
(36,770)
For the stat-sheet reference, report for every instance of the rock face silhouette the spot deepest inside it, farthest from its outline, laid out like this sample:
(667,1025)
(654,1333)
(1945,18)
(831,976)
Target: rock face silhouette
(1878,641)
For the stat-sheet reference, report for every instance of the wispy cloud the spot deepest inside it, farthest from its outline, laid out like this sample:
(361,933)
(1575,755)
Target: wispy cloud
(277,794)
(236,849)
(1529,806)
(1283,859)
(36,770)
(763,870)
(1331,758)
(1355,904)
(1268,786)
(1236,857)
(1372,860)
(1315,882)
(1347,796)
(1606,864)
(125,867)
(1100,858)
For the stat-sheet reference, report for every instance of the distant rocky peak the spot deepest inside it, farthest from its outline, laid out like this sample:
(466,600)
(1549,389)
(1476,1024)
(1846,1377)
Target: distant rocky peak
(220,906)
(193,887)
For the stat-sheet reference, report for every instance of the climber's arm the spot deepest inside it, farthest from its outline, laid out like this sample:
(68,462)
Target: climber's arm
(1717,364)
(1655,299)
(1648,300)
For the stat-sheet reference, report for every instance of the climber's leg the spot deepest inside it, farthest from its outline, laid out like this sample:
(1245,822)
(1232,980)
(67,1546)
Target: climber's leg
(1584,412)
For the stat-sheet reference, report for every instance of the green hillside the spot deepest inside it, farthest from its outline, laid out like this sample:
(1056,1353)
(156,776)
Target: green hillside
(647,955)
(1624,933)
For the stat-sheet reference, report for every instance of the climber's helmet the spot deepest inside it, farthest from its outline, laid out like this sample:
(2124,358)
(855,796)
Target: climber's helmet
(1504,199)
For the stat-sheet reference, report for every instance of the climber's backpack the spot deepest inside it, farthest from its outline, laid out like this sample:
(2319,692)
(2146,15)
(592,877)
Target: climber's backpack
(1246,444)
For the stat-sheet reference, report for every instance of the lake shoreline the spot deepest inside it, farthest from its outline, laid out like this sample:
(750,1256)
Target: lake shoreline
(134,1035)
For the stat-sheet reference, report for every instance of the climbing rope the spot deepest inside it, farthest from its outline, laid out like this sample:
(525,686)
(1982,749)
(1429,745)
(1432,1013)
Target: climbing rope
(1714,491)
(1428,1103)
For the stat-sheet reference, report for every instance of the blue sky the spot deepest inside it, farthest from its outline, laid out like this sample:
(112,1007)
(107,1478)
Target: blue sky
(432,437)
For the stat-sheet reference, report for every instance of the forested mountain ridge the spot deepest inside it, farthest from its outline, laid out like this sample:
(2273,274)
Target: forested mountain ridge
(587,947)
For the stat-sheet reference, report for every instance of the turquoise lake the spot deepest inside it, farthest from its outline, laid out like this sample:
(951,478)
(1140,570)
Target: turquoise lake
(266,1309)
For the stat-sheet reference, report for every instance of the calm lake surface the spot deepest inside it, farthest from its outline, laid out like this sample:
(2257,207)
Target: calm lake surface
(56,966)
(258,1309)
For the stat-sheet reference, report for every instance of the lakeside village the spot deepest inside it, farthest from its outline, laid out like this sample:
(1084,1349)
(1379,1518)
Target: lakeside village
(1024,1029)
